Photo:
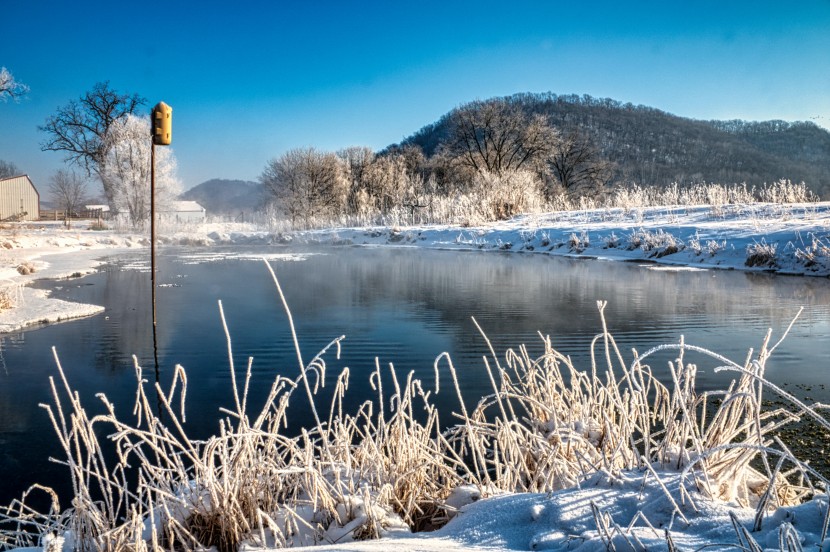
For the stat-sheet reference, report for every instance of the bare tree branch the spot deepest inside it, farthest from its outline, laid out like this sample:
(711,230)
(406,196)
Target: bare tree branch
(68,191)
(10,88)
(497,136)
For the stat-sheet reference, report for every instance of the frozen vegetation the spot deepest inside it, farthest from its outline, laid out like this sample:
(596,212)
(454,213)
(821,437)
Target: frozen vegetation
(556,457)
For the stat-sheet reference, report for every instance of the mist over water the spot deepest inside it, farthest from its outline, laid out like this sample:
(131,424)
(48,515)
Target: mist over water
(399,306)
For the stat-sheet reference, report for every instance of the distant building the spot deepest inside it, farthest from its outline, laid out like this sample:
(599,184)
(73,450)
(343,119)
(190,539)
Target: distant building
(184,211)
(19,199)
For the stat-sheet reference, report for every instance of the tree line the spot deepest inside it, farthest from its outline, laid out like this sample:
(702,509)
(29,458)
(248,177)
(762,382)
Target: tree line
(649,147)
(494,151)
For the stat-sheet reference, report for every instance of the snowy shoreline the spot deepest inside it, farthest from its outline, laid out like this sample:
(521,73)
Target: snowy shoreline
(784,239)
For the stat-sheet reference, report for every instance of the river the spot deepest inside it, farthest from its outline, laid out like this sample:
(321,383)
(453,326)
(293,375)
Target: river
(403,306)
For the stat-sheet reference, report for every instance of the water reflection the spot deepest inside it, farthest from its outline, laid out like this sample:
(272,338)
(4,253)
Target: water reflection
(401,306)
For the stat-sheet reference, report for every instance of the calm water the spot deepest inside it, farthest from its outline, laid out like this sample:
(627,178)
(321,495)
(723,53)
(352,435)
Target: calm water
(403,306)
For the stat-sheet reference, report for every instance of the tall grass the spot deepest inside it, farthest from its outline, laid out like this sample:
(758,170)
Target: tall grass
(495,198)
(392,465)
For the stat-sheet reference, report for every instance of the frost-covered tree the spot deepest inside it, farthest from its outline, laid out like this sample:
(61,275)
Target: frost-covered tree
(68,191)
(304,184)
(356,160)
(126,170)
(7,169)
(80,127)
(387,181)
(10,88)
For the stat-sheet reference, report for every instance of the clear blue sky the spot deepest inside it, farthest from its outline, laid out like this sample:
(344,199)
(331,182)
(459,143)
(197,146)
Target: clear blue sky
(249,80)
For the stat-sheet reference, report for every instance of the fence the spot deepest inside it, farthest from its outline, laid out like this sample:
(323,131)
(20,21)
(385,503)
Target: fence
(58,214)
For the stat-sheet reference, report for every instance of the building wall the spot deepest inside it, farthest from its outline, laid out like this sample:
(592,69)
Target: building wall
(185,216)
(18,195)
(184,211)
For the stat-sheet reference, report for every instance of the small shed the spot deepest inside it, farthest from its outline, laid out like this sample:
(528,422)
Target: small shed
(19,199)
(184,211)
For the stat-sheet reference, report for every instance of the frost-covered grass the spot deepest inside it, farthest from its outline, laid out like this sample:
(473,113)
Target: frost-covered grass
(9,295)
(495,198)
(394,466)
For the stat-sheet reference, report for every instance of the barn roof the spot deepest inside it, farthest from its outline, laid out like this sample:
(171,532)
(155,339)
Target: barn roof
(16,176)
(182,206)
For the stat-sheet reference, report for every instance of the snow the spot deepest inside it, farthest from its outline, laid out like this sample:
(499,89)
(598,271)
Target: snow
(629,509)
(636,512)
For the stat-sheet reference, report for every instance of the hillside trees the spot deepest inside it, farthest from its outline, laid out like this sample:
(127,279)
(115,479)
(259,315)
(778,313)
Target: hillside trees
(531,151)
(577,166)
(79,129)
(11,88)
(305,183)
(648,146)
(125,169)
(497,136)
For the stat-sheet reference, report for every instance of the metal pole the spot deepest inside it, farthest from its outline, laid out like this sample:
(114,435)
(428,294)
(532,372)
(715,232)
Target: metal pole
(153,248)
(153,227)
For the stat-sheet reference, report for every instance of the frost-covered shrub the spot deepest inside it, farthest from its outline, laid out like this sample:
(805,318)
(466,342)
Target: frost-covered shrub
(761,254)
(10,295)
(507,195)
(657,244)
(815,256)
(26,268)
(611,241)
(710,247)
(579,243)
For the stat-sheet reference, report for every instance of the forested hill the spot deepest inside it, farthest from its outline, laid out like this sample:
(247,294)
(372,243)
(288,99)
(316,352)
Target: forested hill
(226,197)
(651,147)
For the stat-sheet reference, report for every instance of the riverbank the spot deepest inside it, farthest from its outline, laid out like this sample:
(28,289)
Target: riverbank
(783,239)
(789,239)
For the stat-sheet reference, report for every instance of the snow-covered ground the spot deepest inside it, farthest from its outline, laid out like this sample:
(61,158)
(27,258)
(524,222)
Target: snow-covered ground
(632,510)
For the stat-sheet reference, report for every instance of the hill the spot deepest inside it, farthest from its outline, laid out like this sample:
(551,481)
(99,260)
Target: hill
(226,197)
(651,147)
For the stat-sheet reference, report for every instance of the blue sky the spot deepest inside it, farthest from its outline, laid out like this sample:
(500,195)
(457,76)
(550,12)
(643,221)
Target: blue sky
(249,80)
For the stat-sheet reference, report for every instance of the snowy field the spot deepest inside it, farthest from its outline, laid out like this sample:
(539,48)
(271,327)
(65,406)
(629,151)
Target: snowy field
(654,508)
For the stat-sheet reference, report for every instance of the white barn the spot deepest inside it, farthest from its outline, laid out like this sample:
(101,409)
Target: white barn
(19,199)
(184,211)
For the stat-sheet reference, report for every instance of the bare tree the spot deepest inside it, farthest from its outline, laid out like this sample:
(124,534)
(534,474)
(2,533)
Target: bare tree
(497,136)
(305,183)
(68,191)
(356,160)
(80,127)
(10,88)
(126,169)
(577,166)
(7,169)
